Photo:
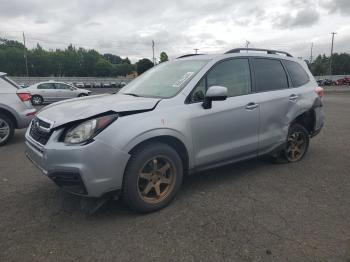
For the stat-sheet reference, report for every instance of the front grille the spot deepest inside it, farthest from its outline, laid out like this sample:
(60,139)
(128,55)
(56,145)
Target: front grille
(37,133)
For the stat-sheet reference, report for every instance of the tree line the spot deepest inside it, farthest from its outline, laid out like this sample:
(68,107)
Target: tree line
(340,64)
(70,61)
(73,61)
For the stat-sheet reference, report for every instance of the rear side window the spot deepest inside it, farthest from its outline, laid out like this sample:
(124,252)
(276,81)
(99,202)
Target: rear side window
(297,73)
(62,86)
(269,75)
(46,86)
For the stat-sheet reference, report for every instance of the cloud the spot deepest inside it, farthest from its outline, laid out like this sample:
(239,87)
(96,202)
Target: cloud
(127,28)
(333,6)
(302,18)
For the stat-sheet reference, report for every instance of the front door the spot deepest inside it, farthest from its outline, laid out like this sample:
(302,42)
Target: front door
(229,130)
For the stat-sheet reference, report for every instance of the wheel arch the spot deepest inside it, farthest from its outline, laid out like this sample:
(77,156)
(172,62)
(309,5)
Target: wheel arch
(307,119)
(10,115)
(167,138)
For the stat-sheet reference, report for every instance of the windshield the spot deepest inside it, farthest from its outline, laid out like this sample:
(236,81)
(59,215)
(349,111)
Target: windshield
(164,80)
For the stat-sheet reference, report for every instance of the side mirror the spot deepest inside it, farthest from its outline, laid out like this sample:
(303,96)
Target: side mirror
(214,93)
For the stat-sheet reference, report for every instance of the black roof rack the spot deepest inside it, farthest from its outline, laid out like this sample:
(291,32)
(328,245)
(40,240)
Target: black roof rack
(188,55)
(269,51)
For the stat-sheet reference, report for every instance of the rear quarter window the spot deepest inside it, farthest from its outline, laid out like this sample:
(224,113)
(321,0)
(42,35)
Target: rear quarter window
(297,73)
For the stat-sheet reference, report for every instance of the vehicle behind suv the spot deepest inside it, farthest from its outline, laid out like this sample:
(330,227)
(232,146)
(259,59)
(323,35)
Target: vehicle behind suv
(52,91)
(15,109)
(180,117)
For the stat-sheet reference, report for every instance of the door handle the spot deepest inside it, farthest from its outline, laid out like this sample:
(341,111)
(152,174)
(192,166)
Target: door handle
(293,97)
(251,106)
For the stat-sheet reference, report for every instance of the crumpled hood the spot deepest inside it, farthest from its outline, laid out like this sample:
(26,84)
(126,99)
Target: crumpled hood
(75,109)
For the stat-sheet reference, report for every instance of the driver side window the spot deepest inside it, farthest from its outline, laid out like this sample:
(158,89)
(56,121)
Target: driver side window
(234,74)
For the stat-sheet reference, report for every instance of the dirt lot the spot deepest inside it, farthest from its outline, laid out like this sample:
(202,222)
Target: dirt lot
(251,211)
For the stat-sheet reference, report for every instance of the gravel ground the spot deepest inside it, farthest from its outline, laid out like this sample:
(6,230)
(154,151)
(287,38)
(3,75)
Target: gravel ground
(250,211)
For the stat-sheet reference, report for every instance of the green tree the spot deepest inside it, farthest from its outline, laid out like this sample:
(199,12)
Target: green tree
(143,65)
(126,61)
(123,69)
(103,68)
(163,57)
(113,59)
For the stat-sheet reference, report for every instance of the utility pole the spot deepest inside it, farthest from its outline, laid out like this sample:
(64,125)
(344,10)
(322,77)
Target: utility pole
(196,50)
(154,62)
(312,46)
(25,53)
(247,44)
(330,58)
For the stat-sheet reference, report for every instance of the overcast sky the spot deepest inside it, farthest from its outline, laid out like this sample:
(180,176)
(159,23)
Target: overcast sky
(126,28)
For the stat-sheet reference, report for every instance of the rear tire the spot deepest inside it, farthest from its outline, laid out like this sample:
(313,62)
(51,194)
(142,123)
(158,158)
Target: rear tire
(37,100)
(7,129)
(297,144)
(82,95)
(152,177)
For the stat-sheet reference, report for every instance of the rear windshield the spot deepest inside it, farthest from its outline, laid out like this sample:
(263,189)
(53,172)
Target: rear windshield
(7,82)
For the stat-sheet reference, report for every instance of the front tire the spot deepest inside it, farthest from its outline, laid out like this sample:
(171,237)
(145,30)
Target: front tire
(152,177)
(7,129)
(82,95)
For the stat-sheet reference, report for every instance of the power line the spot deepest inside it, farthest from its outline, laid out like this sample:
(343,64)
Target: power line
(154,62)
(25,53)
(311,49)
(247,44)
(330,58)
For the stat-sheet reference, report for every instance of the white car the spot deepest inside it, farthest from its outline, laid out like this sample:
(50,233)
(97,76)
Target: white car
(53,91)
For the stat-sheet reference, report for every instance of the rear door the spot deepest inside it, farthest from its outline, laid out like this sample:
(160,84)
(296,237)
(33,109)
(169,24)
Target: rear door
(229,130)
(64,91)
(275,102)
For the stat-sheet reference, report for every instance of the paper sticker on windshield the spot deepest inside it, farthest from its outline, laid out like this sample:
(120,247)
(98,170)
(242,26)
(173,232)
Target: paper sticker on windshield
(186,76)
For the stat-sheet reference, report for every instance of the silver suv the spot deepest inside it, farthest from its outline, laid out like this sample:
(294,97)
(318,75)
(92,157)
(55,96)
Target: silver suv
(52,91)
(183,116)
(15,109)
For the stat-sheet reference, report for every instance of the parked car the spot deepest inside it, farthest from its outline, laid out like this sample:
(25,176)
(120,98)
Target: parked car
(52,91)
(113,84)
(16,112)
(122,84)
(96,85)
(106,85)
(88,85)
(79,85)
(343,81)
(326,82)
(178,118)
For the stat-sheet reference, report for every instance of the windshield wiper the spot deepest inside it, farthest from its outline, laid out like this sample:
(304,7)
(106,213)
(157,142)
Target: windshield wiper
(131,94)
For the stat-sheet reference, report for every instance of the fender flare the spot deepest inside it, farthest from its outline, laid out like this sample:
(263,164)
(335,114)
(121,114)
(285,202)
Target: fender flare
(159,132)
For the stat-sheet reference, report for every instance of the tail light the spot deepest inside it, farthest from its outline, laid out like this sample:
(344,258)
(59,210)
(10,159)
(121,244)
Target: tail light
(24,96)
(319,91)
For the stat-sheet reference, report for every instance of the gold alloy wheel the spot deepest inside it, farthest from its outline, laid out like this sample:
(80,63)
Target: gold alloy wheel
(296,146)
(156,179)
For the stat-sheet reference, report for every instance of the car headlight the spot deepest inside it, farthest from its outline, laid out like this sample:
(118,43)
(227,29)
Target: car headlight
(88,129)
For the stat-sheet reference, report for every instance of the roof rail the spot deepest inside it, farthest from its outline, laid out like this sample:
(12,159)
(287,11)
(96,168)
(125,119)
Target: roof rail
(188,55)
(269,51)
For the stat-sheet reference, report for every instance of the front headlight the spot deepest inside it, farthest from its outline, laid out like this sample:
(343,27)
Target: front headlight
(88,129)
